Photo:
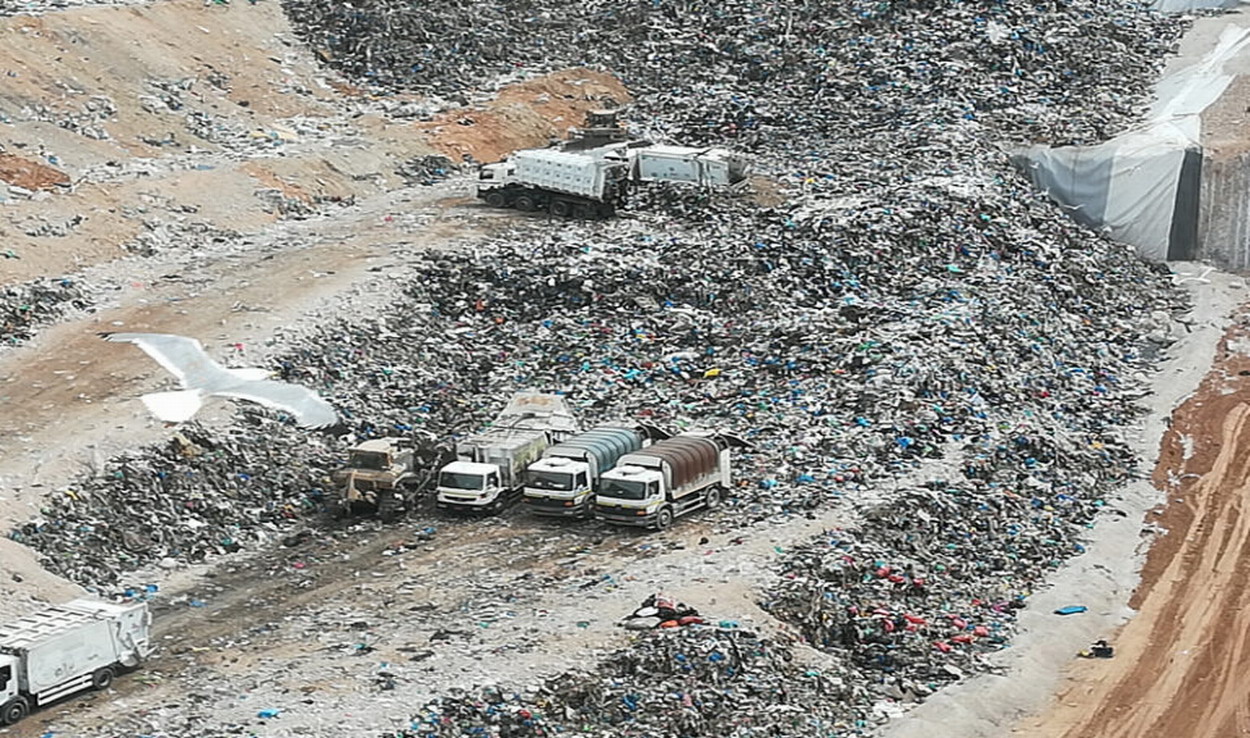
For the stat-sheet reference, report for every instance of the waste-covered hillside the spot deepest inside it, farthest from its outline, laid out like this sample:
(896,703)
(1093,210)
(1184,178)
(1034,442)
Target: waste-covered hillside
(913,333)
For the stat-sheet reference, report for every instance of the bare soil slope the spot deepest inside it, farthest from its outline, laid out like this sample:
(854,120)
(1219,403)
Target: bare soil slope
(1179,664)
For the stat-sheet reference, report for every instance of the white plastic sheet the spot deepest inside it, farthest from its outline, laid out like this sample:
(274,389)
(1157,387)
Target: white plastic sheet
(1136,187)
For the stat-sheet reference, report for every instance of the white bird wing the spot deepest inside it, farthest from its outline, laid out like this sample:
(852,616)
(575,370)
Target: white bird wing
(308,408)
(174,407)
(180,356)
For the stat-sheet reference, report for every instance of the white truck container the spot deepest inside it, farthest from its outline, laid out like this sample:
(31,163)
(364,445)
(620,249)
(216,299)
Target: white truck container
(66,649)
(577,183)
(562,483)
(489,466)
(706,166)
(585,182)
(653,486)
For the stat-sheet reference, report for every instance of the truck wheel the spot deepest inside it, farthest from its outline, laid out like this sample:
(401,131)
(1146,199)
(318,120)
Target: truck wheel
(712,500)
(14,711)
(102,678)
(561,208)
(582,212)
(388,512)
(525,203)
(495,199)
(664,518)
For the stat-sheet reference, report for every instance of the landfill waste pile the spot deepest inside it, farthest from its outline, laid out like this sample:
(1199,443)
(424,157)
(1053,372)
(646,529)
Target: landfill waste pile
(426,170)
(909,302)
(199,495)
(26,307)
(928,585)
(749,71)
(686,681)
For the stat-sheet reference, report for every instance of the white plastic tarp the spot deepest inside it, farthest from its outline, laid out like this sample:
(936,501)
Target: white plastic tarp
(1141,187)
(1186,6)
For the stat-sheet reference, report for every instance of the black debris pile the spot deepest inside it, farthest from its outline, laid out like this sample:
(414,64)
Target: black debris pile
(199,495)
(695,681)
(929,584)
(25,307)
(1062,72)
(426,170)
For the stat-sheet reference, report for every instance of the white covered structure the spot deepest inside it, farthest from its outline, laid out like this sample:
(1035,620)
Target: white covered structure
(1143,187)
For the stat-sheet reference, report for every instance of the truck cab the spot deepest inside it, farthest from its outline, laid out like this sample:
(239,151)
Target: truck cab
(631,491)
(470,484)
(11,708)
(558,486)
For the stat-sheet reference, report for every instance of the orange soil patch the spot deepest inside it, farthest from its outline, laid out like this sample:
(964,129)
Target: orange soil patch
(268,179)
(30,174)
(523,115)
(1180,663)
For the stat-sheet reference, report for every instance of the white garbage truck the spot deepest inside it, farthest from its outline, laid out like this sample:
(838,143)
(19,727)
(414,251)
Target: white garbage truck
(488,471)
(591,177)
(562,483)
(651,487)
(66,649)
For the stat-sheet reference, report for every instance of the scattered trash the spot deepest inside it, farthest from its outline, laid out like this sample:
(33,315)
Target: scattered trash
(904,302)
(1071,610)
(1099,650)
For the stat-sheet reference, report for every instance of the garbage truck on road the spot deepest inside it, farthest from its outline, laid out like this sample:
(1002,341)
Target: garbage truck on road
(66,649)
(674,477)
(563,481)
(488,471)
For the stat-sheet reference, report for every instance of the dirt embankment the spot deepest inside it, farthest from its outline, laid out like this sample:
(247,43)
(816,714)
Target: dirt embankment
(187,114)
(1179,664)
(524,115)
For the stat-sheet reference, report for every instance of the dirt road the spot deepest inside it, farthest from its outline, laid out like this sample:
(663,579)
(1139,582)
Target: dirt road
(1179,664)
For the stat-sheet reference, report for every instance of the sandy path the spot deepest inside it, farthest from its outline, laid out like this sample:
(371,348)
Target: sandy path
(1179,664)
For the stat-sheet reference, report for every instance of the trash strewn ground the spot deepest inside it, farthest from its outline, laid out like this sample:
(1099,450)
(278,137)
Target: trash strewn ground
(933,364)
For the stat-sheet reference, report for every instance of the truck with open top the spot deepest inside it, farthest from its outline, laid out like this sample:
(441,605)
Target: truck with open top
(488,471)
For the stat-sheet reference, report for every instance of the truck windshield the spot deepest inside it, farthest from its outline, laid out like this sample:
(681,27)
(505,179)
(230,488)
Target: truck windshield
(624,489)
(368,460)
(459,481)
(550,480)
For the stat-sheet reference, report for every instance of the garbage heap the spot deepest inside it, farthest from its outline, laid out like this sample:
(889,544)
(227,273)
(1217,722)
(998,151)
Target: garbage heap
(199,495)
(750,70)
(926,587)
(683,682)
(25,307)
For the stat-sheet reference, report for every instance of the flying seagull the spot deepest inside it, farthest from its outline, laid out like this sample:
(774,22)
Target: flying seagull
(202,377)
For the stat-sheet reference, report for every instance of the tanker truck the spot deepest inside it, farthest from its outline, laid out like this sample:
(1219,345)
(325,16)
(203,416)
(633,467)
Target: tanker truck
(562,483)
(488,471)
(651,487)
